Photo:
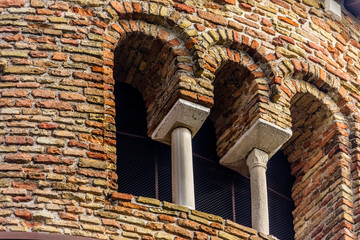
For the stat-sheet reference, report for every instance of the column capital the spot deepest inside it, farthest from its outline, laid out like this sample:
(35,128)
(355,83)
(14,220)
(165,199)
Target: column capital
(257,158)
(183,114)
(262,135)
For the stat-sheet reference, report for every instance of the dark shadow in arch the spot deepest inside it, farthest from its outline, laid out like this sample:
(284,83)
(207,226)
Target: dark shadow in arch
(143,165)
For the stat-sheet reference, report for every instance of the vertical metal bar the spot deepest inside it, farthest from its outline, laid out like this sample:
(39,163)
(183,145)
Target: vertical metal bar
(156,162)
(233,200)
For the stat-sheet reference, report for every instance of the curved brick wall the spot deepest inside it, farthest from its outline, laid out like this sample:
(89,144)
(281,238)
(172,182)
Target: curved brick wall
(287,62)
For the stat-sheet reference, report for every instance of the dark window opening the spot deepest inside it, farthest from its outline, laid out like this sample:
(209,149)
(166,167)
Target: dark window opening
(144,169)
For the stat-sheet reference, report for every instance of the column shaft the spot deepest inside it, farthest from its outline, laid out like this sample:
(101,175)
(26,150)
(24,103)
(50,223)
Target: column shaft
(182,168)
(257,161)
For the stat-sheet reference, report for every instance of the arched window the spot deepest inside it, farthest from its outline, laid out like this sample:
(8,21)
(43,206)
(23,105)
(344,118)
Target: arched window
(144,169)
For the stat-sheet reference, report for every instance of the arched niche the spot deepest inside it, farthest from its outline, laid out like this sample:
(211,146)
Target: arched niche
(316,154)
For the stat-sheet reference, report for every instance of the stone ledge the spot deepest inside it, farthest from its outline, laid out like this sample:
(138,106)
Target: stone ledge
(263,135)
(183,114)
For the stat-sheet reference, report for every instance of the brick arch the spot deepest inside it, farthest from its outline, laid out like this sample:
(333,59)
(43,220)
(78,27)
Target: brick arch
(279,62)
(234,40)
(325,81)
(161,68)
(236,80)
(317,152)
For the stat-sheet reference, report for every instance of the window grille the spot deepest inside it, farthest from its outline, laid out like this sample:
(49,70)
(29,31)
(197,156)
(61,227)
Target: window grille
(144,169)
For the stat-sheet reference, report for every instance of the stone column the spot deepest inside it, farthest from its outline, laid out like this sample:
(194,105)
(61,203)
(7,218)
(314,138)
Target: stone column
(177,128)
(246,158)
(257,161)
(183,192)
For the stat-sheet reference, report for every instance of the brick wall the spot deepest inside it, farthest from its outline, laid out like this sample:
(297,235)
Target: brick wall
(287,62)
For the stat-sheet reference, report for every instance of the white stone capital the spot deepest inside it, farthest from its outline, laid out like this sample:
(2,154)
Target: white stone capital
(257,158)
(183,114)
(264,136)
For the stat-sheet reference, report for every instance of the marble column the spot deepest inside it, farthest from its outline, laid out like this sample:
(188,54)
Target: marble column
(249,156)
(183,192)
(177,129)
(257,161)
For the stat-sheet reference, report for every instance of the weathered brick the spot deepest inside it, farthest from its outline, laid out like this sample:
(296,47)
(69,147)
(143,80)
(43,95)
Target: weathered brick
(76,97)
(19,140)
(54,105)
(18,158)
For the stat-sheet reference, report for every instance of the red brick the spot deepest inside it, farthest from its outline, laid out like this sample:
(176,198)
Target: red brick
(12,3)
(247,22)
(46,159)
(266,22)
(24,185)
(68,216)
(245,6)
(281,3)
(17,93)
(177,230)
(18,199)
(64,170)
(24,103)
(73,143)
(54,105)
(9,29)
(91,173)
(47,125)
(53,150)
(184,8)
(82,11)
(188,224)
(38,54)
(76,97)
(288,20)
(35,18)
(287,39)
(59,56)
(218,19)
(96,155)
(200,236)
(166,218)
(121,196)
(18,158)
(89,76)
(27,85)
(256,34)
(118,7)
(60,73)
(44,11)
(79,22)
(13,38)
(154,225)
(59,6)
(110,222)
(132,205)
(321,23)
(10,167)
(19,140)
(20,61)
(25,214)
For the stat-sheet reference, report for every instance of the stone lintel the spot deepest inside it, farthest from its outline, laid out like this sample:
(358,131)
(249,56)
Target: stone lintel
(264,136)
(183,114)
